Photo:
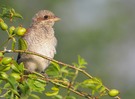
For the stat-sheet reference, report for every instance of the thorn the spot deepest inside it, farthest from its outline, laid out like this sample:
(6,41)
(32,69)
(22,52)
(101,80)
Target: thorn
(7,51)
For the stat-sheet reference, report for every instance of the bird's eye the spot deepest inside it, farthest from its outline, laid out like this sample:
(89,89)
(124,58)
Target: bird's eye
(46,17)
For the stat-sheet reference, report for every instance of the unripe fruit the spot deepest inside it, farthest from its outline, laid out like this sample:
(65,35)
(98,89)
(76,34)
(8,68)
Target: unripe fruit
(11,29)
(20,31)
(16,76)
(3,26)
(16,30)
(113,92)
(6,60)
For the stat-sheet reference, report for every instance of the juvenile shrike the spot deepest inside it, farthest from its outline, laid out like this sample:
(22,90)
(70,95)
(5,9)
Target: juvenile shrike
(40,38)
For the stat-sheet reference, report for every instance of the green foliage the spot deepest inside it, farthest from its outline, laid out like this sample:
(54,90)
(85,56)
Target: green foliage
(54,92)
(9,13)
(22,44)
(81,63)
(95,85)
(17,84)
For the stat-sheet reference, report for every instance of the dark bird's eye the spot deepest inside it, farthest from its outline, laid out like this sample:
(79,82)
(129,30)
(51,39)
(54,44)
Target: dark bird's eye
(46,17)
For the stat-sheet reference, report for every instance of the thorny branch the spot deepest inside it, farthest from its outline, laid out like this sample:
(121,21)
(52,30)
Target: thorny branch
(61,63)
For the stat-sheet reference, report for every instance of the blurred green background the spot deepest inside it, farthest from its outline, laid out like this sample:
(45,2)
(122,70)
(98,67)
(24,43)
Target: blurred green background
(101,31)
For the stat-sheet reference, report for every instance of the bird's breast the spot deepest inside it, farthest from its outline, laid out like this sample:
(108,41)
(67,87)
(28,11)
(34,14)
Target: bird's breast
(42,41)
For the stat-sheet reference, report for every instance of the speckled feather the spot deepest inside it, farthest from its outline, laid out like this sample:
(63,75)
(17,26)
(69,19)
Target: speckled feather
(40,39)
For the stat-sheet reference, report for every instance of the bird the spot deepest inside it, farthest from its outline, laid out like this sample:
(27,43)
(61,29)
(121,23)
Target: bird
(40,38)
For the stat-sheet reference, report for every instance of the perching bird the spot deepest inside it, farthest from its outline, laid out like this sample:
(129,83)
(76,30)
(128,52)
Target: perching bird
(40,38)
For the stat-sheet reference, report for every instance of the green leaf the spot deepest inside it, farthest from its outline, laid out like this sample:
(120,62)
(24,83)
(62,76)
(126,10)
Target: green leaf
(3,76)
(64,70)
(55,89)
(9,13)
(39,85)
(15,92)
(11,80)
(15,14)
(81,63)
(32,76)
(24,88)
(21,67)
(7,85)
(98,86)
(54,92)
(94,84)
(13,45)
(5,12)
(2,67)
(52,71)
(15,68)
(36,85)
(56,65)
(102,89)
(22,44)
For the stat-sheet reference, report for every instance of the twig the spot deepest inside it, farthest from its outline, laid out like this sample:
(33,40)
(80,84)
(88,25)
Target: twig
(71,89)
(50,59)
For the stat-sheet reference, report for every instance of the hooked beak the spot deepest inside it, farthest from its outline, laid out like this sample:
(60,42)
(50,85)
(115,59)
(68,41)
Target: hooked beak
(56,18)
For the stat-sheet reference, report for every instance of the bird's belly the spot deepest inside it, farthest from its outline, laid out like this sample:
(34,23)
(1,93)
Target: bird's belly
(36,63)
(47,50)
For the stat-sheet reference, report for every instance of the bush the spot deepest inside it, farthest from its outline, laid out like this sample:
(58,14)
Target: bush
(16,84)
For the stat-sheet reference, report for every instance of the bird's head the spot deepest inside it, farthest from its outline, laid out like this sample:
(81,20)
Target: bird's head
(45,17)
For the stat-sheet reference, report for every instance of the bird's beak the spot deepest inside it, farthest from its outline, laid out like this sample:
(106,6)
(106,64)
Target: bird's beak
(56,18)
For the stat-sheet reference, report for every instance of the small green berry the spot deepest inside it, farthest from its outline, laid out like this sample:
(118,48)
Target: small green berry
(20,31)
(11,29)
(113,92)
(6,60)
(3,26)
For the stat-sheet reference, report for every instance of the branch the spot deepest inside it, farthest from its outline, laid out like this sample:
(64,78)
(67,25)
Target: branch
(53,60)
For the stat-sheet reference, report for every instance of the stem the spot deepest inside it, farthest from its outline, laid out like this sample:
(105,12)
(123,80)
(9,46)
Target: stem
(73,80)
(7,32)
(50,59)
